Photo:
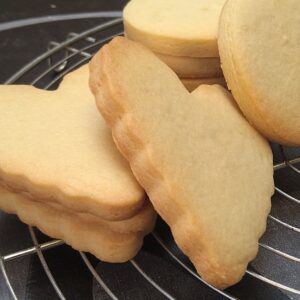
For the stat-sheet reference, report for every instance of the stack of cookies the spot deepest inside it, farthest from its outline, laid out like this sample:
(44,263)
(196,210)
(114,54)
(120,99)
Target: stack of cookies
(60,171)
(207,170)
(183,34)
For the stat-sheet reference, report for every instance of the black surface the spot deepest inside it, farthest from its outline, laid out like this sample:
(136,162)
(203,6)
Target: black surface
(18,47)
(19,9)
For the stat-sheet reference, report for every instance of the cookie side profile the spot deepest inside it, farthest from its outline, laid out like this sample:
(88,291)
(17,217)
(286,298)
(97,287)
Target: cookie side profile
(175,27)
(143,222)
(55,147)
(83,235)
(193,67)
(261,63)
(208,173)
(192,83)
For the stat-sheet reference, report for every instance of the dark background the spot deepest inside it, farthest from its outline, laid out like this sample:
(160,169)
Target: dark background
(20,45)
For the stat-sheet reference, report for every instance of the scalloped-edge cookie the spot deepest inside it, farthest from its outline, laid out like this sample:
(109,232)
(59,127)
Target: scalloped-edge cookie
(142,222)
(208,173)
(259,44)
(55,147)
(81,234)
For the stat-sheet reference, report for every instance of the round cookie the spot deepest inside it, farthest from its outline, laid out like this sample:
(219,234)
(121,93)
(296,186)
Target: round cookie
(192,83)
(193,67)
(175,27)
(260,56)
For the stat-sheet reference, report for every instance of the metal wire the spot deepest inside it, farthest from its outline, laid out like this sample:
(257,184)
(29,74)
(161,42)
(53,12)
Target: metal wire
(68,42)
(151,281)
(285,163)
(280,253)
(69,56)
(287,196)
(8,283)
(97,277)
(44,264)
(284,224)
(293,167)
(32,250)
(61,67)
(164,246)
(251,273)
(273,283)
(288,163)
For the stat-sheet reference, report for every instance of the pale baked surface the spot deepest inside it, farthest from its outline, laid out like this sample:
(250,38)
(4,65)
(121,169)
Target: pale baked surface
(193,67)
(55,147)
(192,83)
(142,222)
(79,233)
(175,27)
(208,173)
(260,51)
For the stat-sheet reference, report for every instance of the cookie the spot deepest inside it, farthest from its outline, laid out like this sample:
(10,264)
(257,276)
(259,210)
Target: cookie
(261,63)
(142,222)
(192,83)
(81,234)
(55,147)
(175,27)
(193,67)
(208,173)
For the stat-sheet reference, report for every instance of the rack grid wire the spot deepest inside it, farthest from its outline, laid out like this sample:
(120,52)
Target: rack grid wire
(76,50)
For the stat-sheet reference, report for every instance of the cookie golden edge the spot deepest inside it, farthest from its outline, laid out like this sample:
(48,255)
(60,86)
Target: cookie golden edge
(193,83)
(82,235)
(45,193)
(257,115)
(135,151)
(172,46)
(142,222)
(191,67)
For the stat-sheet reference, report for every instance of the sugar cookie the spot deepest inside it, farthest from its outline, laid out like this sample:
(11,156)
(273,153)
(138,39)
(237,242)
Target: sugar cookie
(55,147)
(259,45)
(175,27)
(81,234)
(193,67)
(192,83)
(208,173)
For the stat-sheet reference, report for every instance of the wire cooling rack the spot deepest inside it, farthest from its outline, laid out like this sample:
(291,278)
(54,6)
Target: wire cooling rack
(47,70)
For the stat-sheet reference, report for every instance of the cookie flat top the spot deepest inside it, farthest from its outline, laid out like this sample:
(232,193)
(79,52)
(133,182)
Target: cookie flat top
(208,173)
(55,146)
(175,27)
(259,44)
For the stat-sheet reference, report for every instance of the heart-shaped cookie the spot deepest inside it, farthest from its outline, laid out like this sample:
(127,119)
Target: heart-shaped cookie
(55,147)
(208,173)
(60,170)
